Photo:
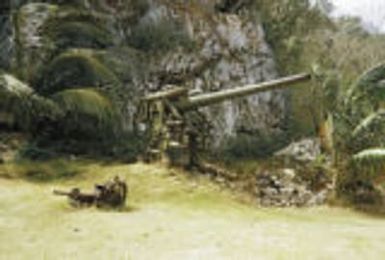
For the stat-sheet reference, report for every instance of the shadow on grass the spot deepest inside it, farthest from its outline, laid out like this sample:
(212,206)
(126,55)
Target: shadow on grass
(125,209)
(376,211)
(41,171)
(93,208)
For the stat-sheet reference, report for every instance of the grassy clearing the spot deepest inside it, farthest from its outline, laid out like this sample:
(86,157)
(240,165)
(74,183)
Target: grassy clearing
(173,216)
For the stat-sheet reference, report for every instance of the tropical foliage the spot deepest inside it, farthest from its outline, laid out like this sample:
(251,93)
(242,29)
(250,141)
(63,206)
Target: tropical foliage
(68,92)
(357,131)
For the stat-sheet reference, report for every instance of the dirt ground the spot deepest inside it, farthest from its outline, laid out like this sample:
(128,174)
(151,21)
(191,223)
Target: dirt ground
(173,216)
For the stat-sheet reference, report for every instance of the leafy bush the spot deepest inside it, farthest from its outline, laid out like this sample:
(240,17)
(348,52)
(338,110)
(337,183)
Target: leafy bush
(31,151)
(287,24)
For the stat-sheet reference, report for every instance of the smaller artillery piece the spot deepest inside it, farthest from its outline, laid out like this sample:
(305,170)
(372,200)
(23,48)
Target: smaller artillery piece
(176,128)
(110,194)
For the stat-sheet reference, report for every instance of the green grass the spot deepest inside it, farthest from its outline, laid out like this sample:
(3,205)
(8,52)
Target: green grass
(41,171)
(172,215)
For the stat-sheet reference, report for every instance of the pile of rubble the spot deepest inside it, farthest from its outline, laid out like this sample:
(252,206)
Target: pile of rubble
(299,182)
(283,188)
(275,187)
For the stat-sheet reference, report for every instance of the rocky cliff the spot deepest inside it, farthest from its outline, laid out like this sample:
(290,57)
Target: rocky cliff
(5,35)
(128,48)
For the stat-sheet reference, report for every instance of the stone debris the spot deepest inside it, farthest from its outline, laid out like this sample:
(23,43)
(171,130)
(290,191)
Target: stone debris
(274,188)
(306,150)
(283,188)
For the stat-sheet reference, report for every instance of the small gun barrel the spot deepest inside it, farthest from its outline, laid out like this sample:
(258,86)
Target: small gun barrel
(61,193)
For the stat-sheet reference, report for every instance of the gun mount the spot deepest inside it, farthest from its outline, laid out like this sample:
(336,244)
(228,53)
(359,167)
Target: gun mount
(163,116)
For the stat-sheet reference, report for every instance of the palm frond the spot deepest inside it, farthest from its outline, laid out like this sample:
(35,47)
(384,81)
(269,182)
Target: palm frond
(12,86)
(23,103)
(374,120)
(370,155)
(331,91)
(86,102)
(80,35)
(368,163)
(74,68)
(370,85)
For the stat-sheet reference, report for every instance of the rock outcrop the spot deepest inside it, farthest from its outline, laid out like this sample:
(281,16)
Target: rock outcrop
(305,150)
(284,188)
(6,41)
(275,187)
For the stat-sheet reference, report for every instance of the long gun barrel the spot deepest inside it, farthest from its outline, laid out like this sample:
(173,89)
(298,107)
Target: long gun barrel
(216,97)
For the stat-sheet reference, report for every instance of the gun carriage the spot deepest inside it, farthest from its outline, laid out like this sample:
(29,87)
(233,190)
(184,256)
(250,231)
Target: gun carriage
(175,126)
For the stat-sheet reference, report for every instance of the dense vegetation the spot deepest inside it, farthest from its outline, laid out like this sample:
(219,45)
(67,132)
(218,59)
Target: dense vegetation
(343,108)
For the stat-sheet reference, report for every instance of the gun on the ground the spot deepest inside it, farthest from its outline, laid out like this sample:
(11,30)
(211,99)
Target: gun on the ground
(112,194)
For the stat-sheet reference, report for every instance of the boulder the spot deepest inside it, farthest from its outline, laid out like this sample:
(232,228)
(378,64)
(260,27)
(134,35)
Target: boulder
(306,150)
(282,188)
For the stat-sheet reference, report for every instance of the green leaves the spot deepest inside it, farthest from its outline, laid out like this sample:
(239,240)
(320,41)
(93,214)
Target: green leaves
(80,35)
(23,103)
(369,163)
(86,102)
(370,124)
(83,110)
(75,68)
(331,92)
(370,86)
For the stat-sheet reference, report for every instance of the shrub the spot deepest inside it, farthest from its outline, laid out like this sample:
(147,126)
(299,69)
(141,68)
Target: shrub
(31,151)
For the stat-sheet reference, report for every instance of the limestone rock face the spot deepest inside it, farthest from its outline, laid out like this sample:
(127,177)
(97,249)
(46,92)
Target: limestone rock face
(6,41)
(229,51)
(305,150)
(33,47)
(283,188)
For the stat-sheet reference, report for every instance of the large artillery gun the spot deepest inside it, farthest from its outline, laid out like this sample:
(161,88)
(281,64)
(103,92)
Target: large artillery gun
(176,128)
